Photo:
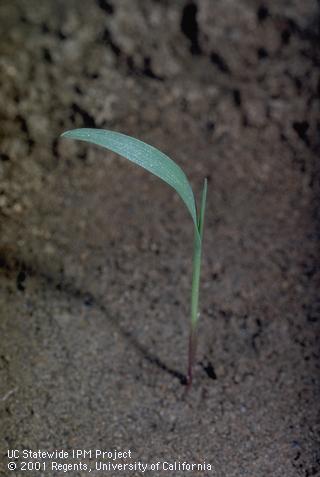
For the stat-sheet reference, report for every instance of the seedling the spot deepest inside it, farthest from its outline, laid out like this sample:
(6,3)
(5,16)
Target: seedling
(161,166)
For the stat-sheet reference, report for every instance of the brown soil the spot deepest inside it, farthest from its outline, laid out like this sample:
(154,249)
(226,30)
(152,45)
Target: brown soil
(95,254)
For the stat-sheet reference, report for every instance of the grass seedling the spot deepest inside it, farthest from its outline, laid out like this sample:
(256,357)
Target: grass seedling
(163,167)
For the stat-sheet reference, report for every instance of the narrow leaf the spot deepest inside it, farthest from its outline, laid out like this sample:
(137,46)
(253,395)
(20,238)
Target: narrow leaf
(202,208)
(145,156)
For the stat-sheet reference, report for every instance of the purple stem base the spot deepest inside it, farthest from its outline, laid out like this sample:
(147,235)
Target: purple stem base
(192,354)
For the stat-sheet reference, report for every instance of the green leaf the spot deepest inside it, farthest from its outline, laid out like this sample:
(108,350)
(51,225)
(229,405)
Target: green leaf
(202,208)
(145,156)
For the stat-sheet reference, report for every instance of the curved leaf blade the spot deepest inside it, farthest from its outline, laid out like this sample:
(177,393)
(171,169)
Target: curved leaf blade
(144,155)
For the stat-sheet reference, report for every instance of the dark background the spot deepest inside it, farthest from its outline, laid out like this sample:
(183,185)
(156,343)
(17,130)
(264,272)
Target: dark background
(95,254)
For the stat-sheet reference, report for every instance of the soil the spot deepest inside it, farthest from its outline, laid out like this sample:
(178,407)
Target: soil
(95,254)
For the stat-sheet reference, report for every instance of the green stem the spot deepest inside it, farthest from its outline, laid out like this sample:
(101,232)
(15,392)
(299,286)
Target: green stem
(195,281)
(194,307)
(197,248)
